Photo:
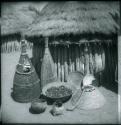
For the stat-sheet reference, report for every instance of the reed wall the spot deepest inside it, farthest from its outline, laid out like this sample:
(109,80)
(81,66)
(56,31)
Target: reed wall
(69,58)
(72,58)
(13,46)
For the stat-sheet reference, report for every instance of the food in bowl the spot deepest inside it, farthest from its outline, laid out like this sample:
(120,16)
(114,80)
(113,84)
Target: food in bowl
(58,92)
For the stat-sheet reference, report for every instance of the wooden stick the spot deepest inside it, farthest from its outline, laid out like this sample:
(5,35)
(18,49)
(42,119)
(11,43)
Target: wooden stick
(69,56)
(7,47)
(65,64)
(11,46)
(76,58)
(40,59)
(114,60)
(90,60)
(72,53)
(110,57)
(55,59)
(59,69)
(101,67)
(71,59)
(103,58)
(80,59)
(78,67)
(62,66)
(86,71)
(61,57)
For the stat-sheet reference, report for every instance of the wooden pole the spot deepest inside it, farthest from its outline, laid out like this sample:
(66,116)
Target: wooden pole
(40,59)
(77,58)
(5,46)
(100,54)
(61,55)
(109,66)
(71,60)
(86,70)
(81,61)
(90,60)
(69,57)
(113,62)
(72,53)
(62,66)
(112,69)
(65,64)
(55,58)
(59,68)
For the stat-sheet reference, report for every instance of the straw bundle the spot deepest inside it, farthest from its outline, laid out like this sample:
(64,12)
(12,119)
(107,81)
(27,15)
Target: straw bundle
(48,72)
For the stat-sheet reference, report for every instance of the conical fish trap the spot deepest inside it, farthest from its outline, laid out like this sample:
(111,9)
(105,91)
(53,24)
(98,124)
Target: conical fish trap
(91,100)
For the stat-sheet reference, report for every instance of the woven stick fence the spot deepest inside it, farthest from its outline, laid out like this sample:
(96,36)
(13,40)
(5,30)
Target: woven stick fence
(13,46)
(71,58)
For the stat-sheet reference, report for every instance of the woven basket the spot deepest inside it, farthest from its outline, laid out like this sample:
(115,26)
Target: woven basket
(56,84)
(26,85)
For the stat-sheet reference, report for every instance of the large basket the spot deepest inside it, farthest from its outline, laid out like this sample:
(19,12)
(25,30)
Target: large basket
(56,84)
(26,85)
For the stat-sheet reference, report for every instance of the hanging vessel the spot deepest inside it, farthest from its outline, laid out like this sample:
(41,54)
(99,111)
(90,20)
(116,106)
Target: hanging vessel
(26,84)
(48,72)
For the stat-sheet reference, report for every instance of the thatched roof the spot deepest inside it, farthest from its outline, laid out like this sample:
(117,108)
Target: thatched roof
(17,16)
(76,17)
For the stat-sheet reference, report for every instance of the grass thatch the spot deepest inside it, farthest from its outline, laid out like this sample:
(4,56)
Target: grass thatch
(17,16)
(74,17)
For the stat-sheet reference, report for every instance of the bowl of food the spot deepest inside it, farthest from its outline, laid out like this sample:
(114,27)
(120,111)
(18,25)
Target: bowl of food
(57,91)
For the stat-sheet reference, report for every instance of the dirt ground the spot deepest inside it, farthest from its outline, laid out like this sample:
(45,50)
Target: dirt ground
(14,112)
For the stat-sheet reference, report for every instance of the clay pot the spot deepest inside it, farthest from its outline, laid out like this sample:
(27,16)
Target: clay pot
(38,106)
(57,108)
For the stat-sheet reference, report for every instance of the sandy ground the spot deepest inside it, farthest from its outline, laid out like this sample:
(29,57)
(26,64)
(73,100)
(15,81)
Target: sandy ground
(14,112)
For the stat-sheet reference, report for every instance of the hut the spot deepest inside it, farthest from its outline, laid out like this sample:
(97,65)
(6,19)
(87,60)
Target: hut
(73,27)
